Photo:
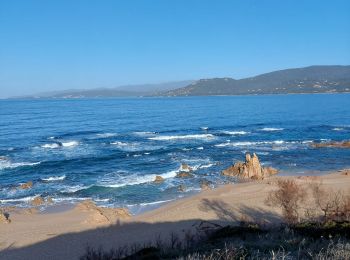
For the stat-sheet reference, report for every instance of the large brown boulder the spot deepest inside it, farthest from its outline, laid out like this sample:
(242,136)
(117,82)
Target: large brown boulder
(250,169)
(333,144)
(26,185)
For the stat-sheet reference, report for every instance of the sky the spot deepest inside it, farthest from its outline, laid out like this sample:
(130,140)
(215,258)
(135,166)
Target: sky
(70,44)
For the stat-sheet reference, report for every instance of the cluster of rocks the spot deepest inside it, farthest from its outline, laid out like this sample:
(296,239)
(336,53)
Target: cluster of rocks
(185,171)
(250,169)
(333,144)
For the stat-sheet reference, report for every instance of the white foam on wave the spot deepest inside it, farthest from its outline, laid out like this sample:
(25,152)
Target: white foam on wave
(51,146)
(179,137)
(206,166)
(250,143)
(200,148)
(271,129)
(135,179)
(6,164)
(73,189)
(54,178)
(134,146)
(144,133)
(155,202)
(70,143)
(60,144)
(25,199)
(106,135)
(338,129)
(205,128)
(235,132)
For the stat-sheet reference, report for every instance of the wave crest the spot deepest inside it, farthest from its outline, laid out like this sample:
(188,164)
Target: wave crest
(179,137)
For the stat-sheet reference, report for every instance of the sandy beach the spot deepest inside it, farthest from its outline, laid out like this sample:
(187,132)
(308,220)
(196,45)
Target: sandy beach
(65,232)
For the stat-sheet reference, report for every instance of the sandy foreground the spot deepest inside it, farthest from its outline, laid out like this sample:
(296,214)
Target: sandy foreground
(65,234)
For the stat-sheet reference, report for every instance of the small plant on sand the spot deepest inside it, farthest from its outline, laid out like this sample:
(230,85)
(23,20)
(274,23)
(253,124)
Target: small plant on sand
(335,205)
(289,196)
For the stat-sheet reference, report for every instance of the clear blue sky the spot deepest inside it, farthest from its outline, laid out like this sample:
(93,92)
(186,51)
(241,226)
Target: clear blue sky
(64,44)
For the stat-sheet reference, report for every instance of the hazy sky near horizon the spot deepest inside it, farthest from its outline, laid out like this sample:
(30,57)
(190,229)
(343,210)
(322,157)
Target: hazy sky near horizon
(65,44)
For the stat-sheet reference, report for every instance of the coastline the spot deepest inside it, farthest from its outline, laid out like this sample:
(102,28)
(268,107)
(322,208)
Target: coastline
(47,234)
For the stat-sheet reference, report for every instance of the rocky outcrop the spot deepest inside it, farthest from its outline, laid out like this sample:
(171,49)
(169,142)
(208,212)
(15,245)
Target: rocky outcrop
(333,144)
(26,185)
(4,217)
(102,215)
(185,168)
(250,169)
(158,179)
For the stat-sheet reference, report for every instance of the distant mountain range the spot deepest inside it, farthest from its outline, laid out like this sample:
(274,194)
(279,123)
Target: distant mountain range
(121,91)
(313,79)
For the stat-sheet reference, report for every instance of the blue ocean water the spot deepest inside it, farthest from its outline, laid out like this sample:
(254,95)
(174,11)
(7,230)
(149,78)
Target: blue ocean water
(110,150)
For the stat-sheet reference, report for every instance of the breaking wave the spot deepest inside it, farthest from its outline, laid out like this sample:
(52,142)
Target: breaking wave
(106,135)
(235,132)
(135,179)
(6,164)
(54,178)
(176,137)
(271,129)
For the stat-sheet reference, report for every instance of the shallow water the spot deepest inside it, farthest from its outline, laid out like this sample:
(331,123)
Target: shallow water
(110,150)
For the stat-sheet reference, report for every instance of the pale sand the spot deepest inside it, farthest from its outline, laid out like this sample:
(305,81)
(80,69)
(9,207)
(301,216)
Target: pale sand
(65,235)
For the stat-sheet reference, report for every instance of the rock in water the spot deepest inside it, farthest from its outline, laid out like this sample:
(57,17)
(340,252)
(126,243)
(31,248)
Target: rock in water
(181,188)
(205,185)
(184,175)
(37,201)
(158,179)
(26,185)
(333,144)
(185,168)
(250,169)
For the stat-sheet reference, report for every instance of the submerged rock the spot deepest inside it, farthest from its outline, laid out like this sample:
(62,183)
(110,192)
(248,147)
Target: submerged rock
(333,144)
(250,169)
(26,185)
(182,188)
(158,179)
(184,175)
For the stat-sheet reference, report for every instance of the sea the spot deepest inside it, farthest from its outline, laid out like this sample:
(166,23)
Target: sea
(111,149)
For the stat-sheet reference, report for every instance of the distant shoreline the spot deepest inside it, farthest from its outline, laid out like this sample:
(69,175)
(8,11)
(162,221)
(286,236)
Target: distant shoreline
(160,96)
